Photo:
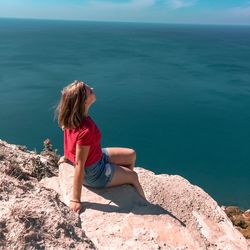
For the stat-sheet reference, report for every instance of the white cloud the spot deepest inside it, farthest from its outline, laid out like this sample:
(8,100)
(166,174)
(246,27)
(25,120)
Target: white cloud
(235,15)
(169,4)
(177,4)
(240,11)
(130,11)
(122,5)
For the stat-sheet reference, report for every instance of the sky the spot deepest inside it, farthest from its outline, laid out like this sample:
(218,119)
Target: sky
(152,11)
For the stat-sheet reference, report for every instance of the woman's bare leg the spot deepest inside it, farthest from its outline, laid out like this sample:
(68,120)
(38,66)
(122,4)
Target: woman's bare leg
(125,157)
(123,175)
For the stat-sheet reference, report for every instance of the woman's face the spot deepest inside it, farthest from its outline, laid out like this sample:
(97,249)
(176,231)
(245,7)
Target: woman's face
(91,97)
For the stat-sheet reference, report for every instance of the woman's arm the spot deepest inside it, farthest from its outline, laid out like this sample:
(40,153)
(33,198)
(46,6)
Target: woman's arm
(81,157)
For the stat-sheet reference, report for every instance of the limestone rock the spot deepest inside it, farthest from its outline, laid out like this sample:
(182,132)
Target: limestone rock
(35,215)
(32,216)
(177,215)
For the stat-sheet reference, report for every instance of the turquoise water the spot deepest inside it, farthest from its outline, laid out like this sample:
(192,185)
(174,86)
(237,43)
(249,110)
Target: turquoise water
(178,94)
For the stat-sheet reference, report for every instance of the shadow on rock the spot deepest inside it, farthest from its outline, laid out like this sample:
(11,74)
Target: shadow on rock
(124,199)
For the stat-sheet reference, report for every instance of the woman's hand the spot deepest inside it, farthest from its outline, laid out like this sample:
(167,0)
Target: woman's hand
(75,206)
(61,160)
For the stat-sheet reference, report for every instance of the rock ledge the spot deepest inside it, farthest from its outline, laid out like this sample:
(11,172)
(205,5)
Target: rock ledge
(34,195)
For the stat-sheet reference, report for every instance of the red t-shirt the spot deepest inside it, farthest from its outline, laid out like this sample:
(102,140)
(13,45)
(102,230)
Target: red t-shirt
(87,134)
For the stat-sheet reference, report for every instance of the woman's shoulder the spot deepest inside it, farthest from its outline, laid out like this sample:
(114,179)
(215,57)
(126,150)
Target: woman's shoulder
(86,133)
(87,125)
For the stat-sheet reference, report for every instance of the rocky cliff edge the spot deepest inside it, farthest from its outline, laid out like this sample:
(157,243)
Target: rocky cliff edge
(34,195)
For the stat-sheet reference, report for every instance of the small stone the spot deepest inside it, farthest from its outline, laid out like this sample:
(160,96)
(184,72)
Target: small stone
(72,245)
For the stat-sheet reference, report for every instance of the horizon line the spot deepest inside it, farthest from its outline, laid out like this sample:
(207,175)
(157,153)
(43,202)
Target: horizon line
(135,22)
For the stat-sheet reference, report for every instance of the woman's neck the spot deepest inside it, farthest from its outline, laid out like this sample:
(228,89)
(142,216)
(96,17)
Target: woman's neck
(86,112)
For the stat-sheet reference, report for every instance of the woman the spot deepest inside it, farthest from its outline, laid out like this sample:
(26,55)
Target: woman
(94,166)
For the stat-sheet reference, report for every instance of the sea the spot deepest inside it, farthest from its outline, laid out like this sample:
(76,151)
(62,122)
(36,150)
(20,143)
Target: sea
(177,94)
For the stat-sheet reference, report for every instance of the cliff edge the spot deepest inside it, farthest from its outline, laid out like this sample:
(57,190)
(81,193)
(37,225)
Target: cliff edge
(34,195)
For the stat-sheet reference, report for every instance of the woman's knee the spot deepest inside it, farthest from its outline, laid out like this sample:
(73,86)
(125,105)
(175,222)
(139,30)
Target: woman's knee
(132,154)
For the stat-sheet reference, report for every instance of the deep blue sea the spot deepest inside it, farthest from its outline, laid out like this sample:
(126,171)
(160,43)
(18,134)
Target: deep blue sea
(178,94)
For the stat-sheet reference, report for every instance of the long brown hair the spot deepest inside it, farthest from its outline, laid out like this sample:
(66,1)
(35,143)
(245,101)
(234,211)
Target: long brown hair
(70,110)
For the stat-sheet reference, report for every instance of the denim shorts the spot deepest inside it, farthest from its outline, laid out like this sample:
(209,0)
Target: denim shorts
(100,173)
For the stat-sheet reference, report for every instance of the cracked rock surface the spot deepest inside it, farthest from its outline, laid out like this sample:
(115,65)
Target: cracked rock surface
(177,215)
(32,216)
(34,213)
